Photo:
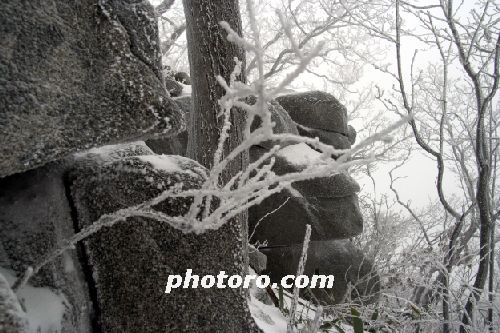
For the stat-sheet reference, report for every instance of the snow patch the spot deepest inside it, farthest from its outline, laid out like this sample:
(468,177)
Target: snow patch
(110,152)
(175,164)
(44,308)
(268,317)
(162,162)
(299,154)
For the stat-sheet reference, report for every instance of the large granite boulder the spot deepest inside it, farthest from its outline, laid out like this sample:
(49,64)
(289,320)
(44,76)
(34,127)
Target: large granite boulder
(36,217)
(319,114)
(74,75)
(316,109)
(351,270)
(129,289)
(328,204)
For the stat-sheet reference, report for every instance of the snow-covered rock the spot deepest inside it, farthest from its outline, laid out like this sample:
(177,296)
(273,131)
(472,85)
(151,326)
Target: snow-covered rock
(110,153)
(132,260)
(328,204)
(268,317)
(76,76)
(316,109)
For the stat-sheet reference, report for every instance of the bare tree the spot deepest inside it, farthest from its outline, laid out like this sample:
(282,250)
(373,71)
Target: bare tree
(478,55)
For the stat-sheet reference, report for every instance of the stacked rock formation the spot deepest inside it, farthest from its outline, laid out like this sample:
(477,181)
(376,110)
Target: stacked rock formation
(329,204)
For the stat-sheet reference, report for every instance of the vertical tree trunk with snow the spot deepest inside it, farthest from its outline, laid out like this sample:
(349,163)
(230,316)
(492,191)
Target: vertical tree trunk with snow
(210,54)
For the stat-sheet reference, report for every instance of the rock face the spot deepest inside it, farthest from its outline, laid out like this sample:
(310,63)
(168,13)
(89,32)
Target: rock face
(169,146)
(316,109)
(339,258)
(35,217)
(351,134)
(337,140)
(78,75)
(318,114)
(130,290)
(116,282)
(328,204)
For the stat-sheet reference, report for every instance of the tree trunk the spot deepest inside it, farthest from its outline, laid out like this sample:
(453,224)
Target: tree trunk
(210,54)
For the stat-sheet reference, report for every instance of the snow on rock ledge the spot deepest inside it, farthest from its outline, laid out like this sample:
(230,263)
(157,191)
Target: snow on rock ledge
(300,155)
(175,164)
(132,260)
(12,317)
(328,204)
(44,308)
(139,149)
(111,153)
